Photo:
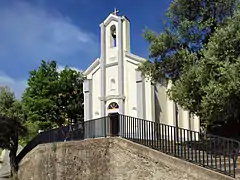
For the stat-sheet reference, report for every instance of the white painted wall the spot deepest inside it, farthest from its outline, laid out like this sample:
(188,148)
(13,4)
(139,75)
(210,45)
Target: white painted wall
(196,124)
(130,90)
(111,73)
(160,103)
(126,35)
(165,109)
(171,113)
(149,105)
(96,108)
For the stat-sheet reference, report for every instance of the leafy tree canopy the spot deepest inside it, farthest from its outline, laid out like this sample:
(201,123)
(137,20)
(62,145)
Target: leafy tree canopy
(10,130)
(52,96)
(189,27)
(211,89)
(9,105)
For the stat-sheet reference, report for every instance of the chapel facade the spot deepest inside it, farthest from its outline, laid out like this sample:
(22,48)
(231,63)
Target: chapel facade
(113,84)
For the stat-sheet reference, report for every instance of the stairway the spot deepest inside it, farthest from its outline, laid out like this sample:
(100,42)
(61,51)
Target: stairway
(220,163)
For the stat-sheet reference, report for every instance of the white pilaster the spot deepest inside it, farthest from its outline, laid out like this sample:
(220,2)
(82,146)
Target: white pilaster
(103,70)
(140,96)
(87,88)
(120,65)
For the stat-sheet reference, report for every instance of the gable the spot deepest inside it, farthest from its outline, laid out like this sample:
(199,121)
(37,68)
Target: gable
(110,18)
(92,68)
(132,58)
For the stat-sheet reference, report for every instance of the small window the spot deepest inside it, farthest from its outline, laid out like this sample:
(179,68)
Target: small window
(113,39)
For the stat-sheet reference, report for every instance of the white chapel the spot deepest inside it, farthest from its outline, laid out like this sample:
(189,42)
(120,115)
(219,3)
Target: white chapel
(113,84)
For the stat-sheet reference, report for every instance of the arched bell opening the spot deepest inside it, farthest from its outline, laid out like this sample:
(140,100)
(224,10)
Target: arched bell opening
(113,36)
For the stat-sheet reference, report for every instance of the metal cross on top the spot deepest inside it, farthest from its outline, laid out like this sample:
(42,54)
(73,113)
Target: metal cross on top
(115,12)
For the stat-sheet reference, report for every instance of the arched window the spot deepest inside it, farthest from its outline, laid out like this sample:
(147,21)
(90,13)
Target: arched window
(113,39)
(113,105)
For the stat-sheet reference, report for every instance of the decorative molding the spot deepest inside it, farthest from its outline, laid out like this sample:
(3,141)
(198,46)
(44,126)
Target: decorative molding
(112,59)
(92,67)
(95,71)
(132,62)
(111,64)
(134,57)
(101,25)
(110,18)
(109,97)
(125,18)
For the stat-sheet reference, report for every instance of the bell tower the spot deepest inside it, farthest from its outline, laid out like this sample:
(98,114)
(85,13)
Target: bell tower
(115,40)
(117,28)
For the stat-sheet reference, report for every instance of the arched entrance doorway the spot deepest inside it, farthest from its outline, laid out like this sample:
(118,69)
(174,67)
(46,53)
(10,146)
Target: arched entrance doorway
(113,114)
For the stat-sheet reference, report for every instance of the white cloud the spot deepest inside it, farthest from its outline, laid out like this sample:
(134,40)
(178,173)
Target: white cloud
(30,33)
(25,28)
(60,68)
(17,86)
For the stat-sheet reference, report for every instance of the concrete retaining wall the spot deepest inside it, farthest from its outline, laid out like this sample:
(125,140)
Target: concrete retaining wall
(107,159)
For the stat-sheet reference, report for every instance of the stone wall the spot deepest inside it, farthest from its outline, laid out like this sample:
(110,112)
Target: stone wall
(107,159)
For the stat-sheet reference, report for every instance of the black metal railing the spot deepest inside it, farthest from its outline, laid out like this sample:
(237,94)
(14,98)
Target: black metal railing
(210,151)
(61,134)
(96,128)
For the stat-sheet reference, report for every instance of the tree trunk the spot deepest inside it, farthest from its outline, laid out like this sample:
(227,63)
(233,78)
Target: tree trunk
(13,158)
(13,162)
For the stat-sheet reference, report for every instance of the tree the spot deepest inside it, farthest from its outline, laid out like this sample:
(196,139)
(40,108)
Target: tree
(39,98)
(10,131)
(10,106)
(190,25)
(53,97)
(7,100)
(211,89)
(71,96)
(11,124)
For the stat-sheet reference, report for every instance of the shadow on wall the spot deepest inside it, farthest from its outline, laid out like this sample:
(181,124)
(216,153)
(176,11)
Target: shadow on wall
(159,89)
(158,109)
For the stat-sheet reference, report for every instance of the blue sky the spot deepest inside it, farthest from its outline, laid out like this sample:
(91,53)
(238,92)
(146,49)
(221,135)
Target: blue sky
(66,31)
